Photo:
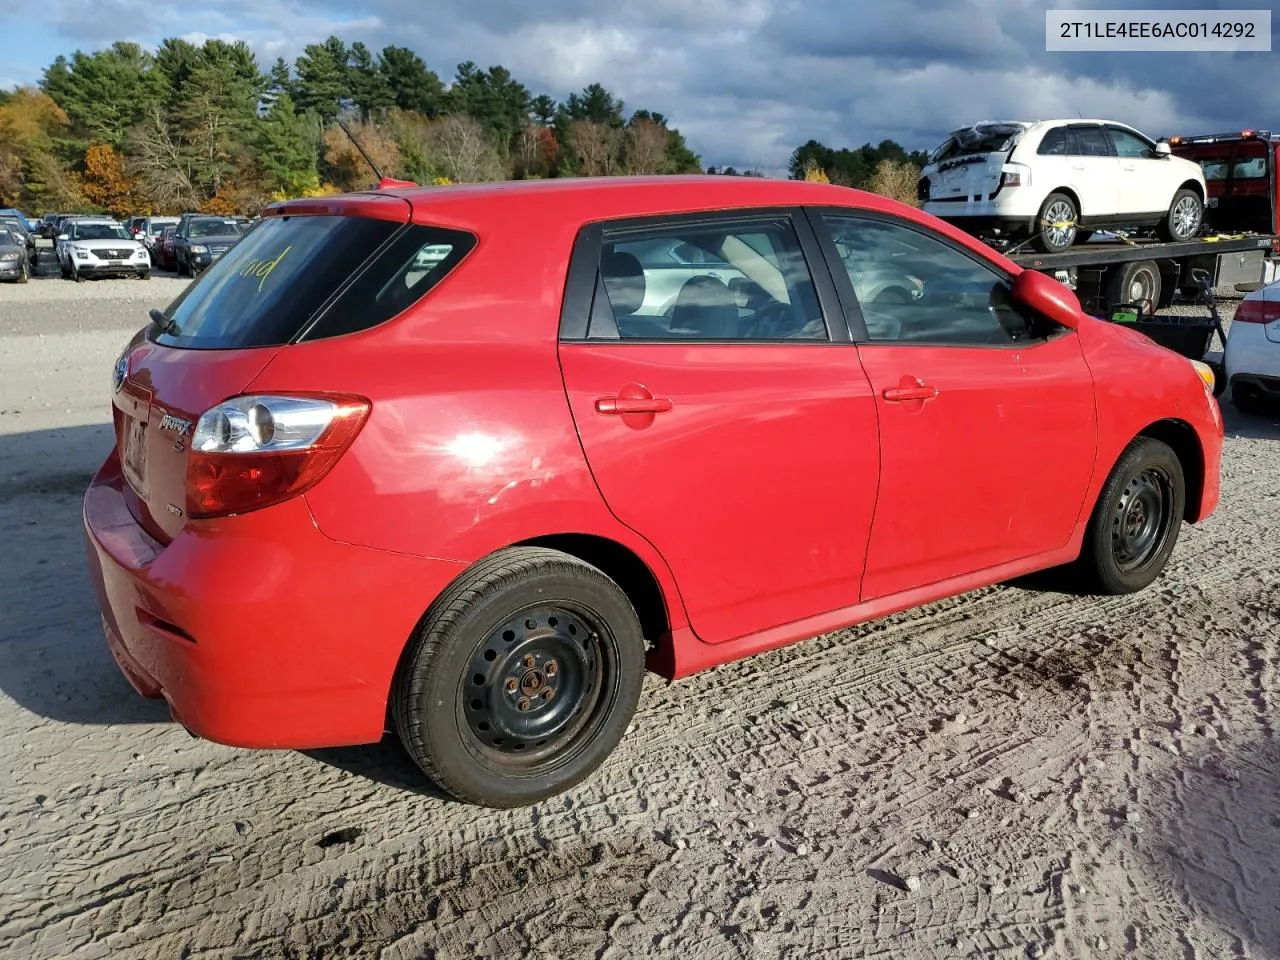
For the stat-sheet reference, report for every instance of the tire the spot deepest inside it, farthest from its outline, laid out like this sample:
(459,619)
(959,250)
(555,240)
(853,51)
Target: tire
(24,274)
(1185,216)
(1134,282)
(144,274)
(1219,377)
(473,739)
(181,268)
(62,268)
(1148,476)
(1248,399)
(1057,208)
(76,275)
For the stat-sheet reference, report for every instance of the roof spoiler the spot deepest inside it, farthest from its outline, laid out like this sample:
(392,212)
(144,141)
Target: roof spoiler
(391,183)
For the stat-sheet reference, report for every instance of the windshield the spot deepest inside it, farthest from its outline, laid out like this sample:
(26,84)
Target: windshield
(156,229)
(11,237)
(214,228)
(98,231)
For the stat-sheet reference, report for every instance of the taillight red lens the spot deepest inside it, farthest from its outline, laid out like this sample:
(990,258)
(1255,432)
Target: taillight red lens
(242,473)
(1256,310)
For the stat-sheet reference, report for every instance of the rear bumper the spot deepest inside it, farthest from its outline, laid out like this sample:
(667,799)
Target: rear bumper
(258,630)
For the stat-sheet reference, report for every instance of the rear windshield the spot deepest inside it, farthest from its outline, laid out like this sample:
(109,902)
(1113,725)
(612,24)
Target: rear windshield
(981,138)
(309,277)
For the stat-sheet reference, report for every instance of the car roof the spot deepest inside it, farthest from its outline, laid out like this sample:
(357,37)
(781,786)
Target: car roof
(586,199)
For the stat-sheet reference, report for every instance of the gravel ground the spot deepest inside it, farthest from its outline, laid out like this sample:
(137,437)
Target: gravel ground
(1013,772)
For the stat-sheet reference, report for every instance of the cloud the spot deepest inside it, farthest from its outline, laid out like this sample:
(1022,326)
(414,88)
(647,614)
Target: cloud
(748,80)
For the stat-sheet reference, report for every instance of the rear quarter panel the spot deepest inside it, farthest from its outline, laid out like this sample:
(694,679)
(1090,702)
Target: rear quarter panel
(470,446)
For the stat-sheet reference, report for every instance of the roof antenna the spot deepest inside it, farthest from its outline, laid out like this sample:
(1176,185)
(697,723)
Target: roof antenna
(384,182)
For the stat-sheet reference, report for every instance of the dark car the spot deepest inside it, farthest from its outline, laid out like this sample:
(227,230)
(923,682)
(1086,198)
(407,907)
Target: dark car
(162,249)
(200,241)
(19,226)
(149,233)
(14,263)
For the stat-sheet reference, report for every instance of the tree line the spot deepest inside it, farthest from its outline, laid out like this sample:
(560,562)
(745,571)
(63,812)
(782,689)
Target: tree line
(126,130)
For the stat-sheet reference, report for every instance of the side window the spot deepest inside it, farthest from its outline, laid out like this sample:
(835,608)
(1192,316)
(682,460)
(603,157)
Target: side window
(745,280)
(1128,144)
(912,287)
(1214,169)
(1253,168)
(1092,142)
(1058,142)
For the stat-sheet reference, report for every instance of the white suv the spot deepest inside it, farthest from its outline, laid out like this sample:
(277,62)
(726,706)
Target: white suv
(1059,180)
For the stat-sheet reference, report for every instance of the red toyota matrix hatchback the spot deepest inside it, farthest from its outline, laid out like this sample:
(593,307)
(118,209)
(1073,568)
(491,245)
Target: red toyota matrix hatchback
(464,462)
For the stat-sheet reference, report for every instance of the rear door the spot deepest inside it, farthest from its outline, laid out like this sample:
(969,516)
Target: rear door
(1096,171)
(730,425)
(987,423)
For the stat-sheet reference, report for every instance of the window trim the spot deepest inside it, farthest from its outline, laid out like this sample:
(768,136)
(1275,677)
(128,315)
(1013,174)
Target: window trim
(583,274)
(844,286)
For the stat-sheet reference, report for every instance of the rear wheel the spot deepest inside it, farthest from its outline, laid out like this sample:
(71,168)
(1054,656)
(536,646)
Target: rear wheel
(1056,223)
(1136,282)
(1185,215)
(1136,521)
(522,679)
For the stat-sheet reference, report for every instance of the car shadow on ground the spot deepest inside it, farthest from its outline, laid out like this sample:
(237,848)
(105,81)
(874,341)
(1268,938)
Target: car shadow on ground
(1250,426)
(385,762)
(53,659)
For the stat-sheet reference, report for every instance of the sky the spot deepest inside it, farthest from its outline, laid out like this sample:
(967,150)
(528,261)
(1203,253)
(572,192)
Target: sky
(746,81)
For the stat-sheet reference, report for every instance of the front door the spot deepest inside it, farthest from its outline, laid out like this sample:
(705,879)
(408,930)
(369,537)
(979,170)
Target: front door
(721,420)
(1146,179)
(987,425)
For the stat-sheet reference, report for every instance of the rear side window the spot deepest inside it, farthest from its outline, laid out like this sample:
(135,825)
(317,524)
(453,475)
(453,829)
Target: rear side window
(1058,142)
(308,277)
(1092,142)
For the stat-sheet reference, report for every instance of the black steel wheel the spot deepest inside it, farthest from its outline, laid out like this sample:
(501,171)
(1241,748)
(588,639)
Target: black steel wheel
(1136,521)
(522,679)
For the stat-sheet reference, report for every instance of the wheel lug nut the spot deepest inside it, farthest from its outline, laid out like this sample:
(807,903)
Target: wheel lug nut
(548,693)
(528,660)
(512,685)
(552,668)
(523,704)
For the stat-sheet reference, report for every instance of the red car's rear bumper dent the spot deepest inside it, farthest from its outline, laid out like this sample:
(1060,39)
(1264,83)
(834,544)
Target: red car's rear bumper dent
(258,630)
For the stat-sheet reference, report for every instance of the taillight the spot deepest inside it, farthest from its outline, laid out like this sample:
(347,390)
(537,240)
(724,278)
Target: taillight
(1256,311)
(255,451)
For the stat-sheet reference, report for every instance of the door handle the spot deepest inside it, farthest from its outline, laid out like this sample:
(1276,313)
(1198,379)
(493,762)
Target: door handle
(1077,166)
(900,394)
(619,406)
(1128,166)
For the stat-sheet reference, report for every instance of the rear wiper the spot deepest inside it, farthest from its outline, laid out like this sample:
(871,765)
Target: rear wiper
(165,324)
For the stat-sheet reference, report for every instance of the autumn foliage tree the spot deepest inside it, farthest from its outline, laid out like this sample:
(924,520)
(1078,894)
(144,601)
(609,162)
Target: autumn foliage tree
(105,183)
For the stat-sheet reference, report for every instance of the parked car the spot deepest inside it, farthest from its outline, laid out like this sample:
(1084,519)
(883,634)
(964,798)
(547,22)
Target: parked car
(200,241)
(101,248)
(1059,180)
(149,233)
(19,226)
(1252,356)
(481,499)
(162,254)
(15,264)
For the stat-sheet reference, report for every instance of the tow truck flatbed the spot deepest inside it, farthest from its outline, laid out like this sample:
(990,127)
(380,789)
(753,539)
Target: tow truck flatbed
(1106,252)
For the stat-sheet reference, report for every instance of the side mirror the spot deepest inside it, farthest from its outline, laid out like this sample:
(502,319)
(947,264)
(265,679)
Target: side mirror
(1048,297)
(1162,149)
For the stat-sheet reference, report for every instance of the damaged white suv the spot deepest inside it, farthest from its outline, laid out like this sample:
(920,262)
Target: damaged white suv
(1060,180)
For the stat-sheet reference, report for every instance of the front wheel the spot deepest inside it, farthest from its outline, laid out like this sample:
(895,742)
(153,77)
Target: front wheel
(1136,520)
(522,680)
(24,274)
(1185,215)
